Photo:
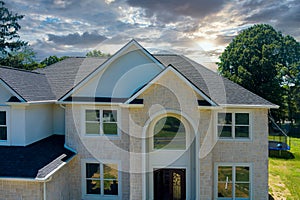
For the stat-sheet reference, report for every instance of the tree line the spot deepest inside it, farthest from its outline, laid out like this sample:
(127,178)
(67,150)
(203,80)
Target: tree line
(259,58)
(17,53)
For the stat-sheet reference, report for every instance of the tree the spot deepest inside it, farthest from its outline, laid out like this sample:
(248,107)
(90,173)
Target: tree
(51,60)
(97,53)
(24,58)
(265,62)
(9,38)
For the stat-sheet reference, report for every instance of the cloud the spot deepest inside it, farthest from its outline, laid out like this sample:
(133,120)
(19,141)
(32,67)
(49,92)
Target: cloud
(168,11)
(76,39)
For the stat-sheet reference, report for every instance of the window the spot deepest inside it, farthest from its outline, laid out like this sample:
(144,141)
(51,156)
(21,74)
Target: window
(3,126)
(233,125)
(101,122)
(169,133)
(101,179)
(233,182)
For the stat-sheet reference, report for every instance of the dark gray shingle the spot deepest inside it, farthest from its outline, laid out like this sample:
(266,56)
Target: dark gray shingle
(31,86)
(34,161)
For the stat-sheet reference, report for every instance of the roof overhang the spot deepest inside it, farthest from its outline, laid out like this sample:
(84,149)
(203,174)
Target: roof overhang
(11,90)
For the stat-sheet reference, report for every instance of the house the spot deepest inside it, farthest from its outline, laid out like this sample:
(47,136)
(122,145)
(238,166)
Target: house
(133,126)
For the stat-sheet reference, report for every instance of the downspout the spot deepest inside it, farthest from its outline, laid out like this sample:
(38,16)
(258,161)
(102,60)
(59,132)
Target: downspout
(45,187)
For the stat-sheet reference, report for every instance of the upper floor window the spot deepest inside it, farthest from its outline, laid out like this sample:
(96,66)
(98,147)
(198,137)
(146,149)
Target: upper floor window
(169,133)
(101,179)
(3,126)
(233,182)
(233,125)
(101,122)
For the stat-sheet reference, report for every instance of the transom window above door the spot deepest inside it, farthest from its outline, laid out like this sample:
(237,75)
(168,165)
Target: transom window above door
(170,134)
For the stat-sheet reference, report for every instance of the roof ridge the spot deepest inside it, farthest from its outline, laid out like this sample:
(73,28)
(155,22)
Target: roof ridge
(22,70)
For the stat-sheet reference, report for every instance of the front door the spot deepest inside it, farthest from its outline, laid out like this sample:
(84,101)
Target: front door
(169,184)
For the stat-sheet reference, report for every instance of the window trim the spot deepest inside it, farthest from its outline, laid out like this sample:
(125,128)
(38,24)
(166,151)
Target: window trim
(101,163)
(233,125)
(182,120)
(101,109)
(7,111)
(233,165)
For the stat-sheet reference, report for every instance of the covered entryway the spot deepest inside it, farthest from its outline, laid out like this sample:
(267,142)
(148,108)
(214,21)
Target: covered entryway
(169,184)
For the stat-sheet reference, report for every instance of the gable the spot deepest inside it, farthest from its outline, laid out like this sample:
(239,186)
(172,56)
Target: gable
(173,85)
(5,95)
(122,77)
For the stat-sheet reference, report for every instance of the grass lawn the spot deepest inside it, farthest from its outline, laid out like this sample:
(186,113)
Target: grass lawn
(284,174)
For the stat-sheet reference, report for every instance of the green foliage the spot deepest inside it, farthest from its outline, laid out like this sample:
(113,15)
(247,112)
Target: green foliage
(24,58)
(97,53)
(267,63)
(9,38)
(284,176)
(51,60)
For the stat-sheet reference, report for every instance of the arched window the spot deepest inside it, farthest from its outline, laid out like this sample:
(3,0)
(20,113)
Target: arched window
(169,133)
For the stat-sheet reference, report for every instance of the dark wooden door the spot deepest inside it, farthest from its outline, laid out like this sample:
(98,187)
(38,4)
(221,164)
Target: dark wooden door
(169,184)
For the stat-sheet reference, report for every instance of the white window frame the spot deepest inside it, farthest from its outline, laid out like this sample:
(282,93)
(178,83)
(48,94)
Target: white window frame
(233,165)
(233,125)
(101,195)
(101,109)
(7,112)
(187,133)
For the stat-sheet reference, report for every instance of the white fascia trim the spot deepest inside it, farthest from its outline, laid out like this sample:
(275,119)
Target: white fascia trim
(170,68)
(18,179)
(6,86)
(132,105)
(70,149)
(248,106)
(90,103)
(209,107)
(108,62)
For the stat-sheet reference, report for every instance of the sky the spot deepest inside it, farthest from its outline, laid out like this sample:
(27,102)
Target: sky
(199,29)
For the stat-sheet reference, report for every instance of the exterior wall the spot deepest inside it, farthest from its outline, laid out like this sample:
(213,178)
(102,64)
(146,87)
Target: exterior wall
(121,78)
(12,190)
(39,122)
(99,148)
(170,94)
(58,120)
(61,183)
(254,152)
(17,126)
(4,95)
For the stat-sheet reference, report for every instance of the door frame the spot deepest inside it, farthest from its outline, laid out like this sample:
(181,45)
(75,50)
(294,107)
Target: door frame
(170,170)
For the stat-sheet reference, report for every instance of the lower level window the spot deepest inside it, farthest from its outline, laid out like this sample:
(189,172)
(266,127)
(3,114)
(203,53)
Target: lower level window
(101,179)
(3,126)
(233,182)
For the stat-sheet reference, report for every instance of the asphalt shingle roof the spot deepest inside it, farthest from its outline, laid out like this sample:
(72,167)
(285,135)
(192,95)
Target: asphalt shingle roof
(66,74)
(219,89)
(30,86)
(34,161)
(54,81)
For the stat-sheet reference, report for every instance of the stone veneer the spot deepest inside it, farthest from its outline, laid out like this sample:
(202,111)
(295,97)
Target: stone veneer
(169,94)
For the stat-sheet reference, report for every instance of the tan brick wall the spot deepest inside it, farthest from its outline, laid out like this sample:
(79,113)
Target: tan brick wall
(169,93)
(99,148)
(16,190)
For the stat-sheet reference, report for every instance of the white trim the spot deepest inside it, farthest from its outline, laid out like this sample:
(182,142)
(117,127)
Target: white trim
(6,86)
(248,106)
(107,63)
(7,111)
(233,165)
(145,164)
(101,134)
(101,162)
(170,68)
(132,105)
(233,125)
